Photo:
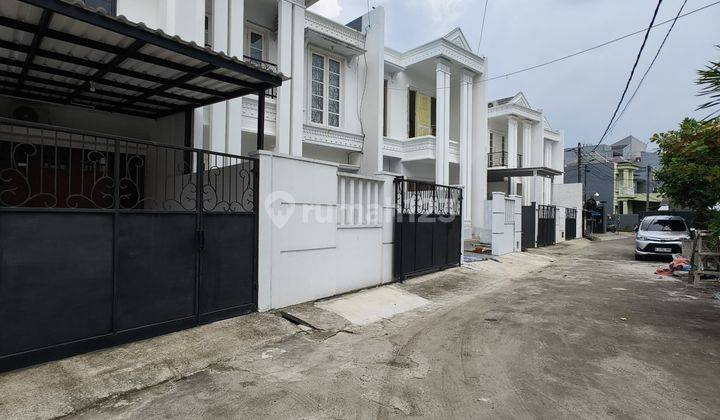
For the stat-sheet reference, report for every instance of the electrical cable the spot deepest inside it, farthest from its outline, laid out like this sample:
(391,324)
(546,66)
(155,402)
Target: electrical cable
(612,41)
(482,27)
(657,54)
(632,73)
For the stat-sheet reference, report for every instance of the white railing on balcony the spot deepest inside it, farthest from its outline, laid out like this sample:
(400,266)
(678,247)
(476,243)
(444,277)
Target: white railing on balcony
(360,201)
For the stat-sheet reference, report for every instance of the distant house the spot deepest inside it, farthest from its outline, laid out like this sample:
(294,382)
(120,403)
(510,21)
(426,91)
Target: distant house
(629,148)
(617,173)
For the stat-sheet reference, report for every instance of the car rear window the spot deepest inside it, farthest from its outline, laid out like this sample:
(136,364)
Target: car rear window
(665,225)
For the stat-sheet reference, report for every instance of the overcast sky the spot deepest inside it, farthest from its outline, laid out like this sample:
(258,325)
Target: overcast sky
(578,95)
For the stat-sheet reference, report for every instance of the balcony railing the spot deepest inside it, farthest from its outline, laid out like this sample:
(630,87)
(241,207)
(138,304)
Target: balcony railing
(496,159)
(265,65)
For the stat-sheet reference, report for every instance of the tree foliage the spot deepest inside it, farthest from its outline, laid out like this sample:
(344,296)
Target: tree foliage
(709,79)
(690,157)
(690,171)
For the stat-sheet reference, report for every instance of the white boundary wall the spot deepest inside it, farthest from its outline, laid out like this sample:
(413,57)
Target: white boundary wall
(307,252)
(506,223)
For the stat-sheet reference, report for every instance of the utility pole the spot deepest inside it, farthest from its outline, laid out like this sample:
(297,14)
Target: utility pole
(579,161)
(647,189)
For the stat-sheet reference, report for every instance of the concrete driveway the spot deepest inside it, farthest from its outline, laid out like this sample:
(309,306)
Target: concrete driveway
(589,333)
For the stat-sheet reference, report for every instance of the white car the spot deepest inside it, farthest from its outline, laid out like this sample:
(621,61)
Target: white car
(660,235)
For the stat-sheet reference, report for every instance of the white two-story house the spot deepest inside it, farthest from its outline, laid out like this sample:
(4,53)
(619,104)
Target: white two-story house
(353,101)
(525,155)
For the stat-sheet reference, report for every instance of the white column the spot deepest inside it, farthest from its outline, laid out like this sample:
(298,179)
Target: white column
(373,24)
(236,38)
(479,157)
(284,92)
(218,121)
(442,123)
(526,162)
(512,142)
(298,76)
(536,159)
(187,20)
(466,135)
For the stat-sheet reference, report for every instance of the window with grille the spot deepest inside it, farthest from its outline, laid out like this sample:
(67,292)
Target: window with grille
(326,90)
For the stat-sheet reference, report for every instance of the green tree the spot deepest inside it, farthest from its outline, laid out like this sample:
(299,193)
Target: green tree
(690,158)
(690,171)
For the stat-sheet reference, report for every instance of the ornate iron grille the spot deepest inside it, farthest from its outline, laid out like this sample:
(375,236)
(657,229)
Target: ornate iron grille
(570,213)
(423,198)
(546,212)
(55,168)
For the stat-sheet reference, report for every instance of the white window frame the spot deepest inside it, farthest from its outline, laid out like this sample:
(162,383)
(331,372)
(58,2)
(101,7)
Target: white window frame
(326,88)
(249,30)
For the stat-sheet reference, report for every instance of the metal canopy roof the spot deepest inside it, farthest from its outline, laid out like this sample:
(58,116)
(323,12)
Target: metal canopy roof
(63,52)
(498,174)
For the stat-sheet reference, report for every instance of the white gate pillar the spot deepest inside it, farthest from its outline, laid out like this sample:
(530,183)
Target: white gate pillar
(466,140)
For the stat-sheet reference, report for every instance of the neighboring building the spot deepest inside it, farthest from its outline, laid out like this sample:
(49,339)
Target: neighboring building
(525,153)
(618,173)
(629,148)
(435,119)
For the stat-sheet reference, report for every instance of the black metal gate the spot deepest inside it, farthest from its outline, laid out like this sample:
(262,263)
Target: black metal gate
(428,227)
(546,225)
(528,226)
(105,240)
(570,224)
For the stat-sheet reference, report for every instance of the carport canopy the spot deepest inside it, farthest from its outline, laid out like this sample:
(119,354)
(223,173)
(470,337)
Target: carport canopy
(500,174)
(61,51)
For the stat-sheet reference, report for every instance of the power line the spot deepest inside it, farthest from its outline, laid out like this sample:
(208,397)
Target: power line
(632,72)
(482,28)
(657,54)
(575,54)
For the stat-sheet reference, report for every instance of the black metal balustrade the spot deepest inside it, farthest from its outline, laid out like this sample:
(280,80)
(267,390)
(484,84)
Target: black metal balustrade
(422,198)
(265,65)
(56,168)
(496,159)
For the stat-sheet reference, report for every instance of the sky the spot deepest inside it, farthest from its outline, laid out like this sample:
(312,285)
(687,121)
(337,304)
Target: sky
(577,95)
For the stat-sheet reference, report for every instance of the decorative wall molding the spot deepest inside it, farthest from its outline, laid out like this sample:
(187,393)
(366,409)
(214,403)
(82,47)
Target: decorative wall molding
(443,48)
(515,109)
(250,109)
(335,30)
(333,138)
(418,148)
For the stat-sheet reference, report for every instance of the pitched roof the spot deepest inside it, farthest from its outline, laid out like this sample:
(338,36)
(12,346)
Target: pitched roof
(519,99)
(457,37)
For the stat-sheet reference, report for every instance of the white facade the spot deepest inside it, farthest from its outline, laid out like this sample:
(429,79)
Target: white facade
(346,100)
(352,115)
(446,147)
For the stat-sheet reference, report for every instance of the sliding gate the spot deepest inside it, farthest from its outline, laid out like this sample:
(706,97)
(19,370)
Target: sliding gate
(428,227)
(105,240)
(546,225)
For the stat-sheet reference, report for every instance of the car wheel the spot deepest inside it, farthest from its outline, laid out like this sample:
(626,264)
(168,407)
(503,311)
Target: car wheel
(638,257)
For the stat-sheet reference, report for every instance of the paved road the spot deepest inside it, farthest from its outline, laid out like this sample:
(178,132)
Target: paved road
(594,335)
